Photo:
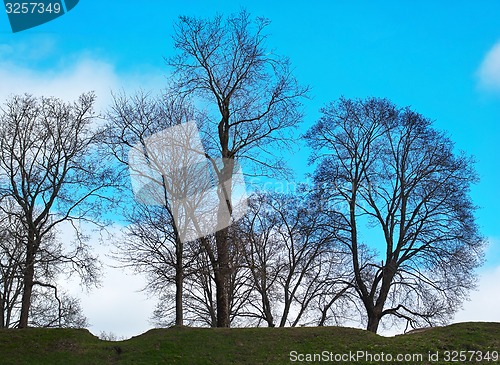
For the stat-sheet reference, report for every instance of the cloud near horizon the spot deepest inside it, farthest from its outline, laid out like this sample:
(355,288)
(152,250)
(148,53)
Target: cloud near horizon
(483,303)
(489,71)
(67,84)
(78,74)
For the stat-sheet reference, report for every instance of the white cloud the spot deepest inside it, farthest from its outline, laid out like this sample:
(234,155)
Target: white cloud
(68,84)
(85,73)
(483,304)
(35,48)
(489,70)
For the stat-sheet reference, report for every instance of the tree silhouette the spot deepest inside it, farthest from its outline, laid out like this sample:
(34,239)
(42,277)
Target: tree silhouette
(387,168)
(252,99)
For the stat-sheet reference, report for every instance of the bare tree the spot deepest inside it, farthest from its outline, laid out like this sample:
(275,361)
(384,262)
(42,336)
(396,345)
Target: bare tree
(199,296)
(261,252)
(335,299)
(63,312)
(291,260)
(49,170)
(393,181)
(11,258)
(251,99)
(150,246)
(49,307)
(201,306)
(153,243)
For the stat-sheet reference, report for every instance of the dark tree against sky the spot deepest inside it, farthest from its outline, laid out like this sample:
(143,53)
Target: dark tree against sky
(395,184)
(290,259)
(153,242)
(251,98)
(50,174)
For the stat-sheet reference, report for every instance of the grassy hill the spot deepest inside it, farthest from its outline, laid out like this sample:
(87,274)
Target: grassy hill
(183,345)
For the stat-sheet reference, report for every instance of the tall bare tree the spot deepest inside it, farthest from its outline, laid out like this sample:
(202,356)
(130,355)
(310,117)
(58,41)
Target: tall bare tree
(251,98)
(394,183)
(153,243)
(50,172)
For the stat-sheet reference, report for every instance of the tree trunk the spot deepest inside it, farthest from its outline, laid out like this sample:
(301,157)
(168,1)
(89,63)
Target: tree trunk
(179,279)
(322,320)
(28,279)
(222,278)
(222,241)
(373,322)
(267,311)
(375,314)
(2,312)
(286,310)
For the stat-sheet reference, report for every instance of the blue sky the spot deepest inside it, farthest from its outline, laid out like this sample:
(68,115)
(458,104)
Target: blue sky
(438,57)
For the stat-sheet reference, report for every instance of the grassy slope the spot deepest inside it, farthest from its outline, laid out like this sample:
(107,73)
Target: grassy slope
(233,346)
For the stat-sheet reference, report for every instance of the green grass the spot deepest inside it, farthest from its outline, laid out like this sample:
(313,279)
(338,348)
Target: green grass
(183,345)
